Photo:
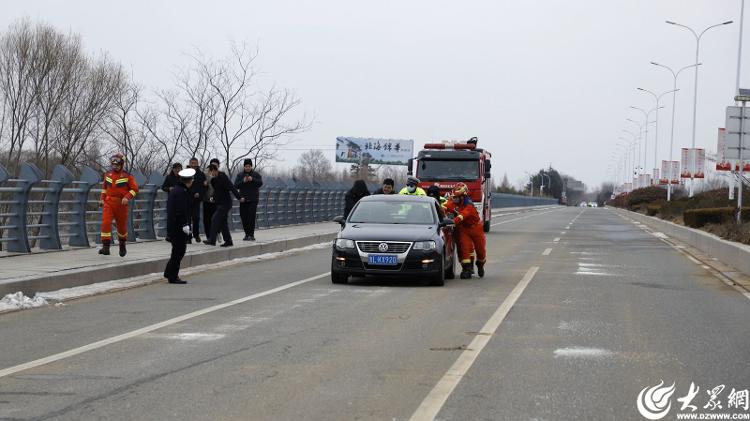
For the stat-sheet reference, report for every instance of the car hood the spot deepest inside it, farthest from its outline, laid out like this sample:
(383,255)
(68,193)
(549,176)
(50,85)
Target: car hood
(388,232)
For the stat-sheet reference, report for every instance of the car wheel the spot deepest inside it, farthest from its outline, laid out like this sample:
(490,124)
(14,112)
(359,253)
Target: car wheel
(339,278)
(438,279)
(450,272)
(486,226)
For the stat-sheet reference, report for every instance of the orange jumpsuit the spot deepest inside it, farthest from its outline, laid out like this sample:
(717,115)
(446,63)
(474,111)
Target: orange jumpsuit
(469,232)
(115,186)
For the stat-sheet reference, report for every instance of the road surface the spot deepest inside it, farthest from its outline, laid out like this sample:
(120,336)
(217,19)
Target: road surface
(580,311)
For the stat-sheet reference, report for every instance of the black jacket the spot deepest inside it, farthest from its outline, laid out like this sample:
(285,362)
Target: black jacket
(251,190)
(222,187)
(198,179)
(358,191)
(178,210)
(170,180)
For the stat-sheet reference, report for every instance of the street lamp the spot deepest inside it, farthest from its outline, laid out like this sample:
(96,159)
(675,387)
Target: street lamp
(541,188)
(671,132)
(656,136)
(638,166)
(695,87)
(647,122)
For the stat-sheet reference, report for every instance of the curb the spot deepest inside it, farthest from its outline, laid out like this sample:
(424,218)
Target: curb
(731,253)
(110,272)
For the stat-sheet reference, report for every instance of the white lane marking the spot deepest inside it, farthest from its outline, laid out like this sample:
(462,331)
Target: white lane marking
(580,352)
(119,338)
(694,260)
(659,235)
(439,394)
(546,252)
(523,217)
(556,239)
(563,232)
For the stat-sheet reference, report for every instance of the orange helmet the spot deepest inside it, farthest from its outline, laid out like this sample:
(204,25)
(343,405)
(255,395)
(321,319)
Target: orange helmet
(460,190)
(117,158)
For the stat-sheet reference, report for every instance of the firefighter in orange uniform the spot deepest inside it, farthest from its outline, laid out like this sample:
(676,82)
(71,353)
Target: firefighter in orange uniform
(469,232)
(118,188)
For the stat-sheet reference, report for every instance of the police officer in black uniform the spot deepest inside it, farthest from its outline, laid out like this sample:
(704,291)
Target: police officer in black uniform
(178,223)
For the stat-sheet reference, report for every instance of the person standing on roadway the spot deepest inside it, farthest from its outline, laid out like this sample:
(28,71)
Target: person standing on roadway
(223,187)
(179,205)
(209,207)
(197,191)
(248,183)
(412,187)
(469,232)
(358,191)
(118,188)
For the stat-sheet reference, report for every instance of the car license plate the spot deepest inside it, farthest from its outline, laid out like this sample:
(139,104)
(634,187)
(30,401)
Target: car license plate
(384,260)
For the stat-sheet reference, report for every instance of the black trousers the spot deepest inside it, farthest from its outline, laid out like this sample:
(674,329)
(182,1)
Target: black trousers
(248,211)
(219,222)
(195,216)
(179,244)
(208,213)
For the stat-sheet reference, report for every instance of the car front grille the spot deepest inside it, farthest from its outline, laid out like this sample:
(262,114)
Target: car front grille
(374,247)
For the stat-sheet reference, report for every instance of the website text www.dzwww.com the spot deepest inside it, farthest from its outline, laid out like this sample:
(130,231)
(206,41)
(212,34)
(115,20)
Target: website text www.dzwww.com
(710,416)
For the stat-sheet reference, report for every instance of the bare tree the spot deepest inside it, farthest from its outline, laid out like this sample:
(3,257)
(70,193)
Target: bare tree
(314,166)
(168,125)
(18,87)
(247,124)
(93,90)
(200,100)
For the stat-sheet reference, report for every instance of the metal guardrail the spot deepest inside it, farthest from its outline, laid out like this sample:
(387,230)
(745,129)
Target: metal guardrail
(64,211)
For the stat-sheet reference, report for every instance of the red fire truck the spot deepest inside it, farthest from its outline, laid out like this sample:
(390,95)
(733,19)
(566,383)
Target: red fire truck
(446,163)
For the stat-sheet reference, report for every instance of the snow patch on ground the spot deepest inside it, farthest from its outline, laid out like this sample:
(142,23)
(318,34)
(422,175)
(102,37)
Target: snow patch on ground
(19,301)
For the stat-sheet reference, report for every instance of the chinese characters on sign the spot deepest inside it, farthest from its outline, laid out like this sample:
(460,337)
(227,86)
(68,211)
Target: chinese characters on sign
(655,402)
(374,151)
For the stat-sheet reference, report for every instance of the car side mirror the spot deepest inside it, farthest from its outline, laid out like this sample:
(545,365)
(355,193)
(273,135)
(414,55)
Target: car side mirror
(339,219)
(447,222)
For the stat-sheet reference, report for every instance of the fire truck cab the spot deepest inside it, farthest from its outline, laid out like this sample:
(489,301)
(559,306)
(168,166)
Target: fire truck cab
(449,162)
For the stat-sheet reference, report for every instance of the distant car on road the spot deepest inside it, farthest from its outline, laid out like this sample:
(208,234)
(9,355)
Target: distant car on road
(593,205)
(583,204)
(396,235)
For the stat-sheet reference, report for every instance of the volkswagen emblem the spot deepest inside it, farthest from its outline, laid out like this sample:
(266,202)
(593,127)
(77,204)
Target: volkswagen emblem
(383,247)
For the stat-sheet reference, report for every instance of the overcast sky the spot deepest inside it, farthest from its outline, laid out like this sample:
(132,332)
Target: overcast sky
(539,82)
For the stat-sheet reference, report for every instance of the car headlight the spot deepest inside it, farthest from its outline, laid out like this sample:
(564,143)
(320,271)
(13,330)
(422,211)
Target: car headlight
(343,243)
(424,245)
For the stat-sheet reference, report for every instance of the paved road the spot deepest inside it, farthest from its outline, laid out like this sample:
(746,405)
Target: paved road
(580,311)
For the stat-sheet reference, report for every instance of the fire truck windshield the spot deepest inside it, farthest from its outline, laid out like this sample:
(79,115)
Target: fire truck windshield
(434,170)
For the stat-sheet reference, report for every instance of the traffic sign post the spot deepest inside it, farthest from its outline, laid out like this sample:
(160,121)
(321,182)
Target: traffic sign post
(736,125)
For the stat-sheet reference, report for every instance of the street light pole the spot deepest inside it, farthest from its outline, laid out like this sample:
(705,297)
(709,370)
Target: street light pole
(647,122)
(671,131)
(657,98)
(695,88)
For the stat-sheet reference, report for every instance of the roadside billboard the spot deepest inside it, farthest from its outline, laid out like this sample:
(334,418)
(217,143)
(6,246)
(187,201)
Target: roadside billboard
(355,150)
(689,156)
(722,162)
(665,172)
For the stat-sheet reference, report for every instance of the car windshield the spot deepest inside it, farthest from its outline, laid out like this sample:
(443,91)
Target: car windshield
(391,212)
(448,170)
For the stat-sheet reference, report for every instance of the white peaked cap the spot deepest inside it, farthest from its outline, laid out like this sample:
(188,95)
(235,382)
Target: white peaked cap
(187,173)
